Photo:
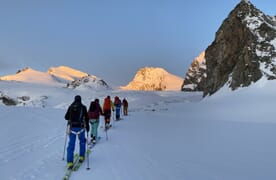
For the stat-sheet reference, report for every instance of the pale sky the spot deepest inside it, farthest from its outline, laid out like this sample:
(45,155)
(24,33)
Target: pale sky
(111,39)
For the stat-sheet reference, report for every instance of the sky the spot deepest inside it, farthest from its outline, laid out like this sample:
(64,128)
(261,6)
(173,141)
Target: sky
(110,39)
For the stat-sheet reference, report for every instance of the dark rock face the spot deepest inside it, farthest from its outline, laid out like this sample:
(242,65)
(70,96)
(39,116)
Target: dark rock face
(89,81)
(242,51)
(8,101)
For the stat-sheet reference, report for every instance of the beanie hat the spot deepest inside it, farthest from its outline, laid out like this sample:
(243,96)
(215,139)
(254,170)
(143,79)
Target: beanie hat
(78,98)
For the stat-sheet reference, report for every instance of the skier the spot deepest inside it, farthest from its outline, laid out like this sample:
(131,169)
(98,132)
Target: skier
(125,106)
(78,121)
(118,104)
(94,113)
(107,107)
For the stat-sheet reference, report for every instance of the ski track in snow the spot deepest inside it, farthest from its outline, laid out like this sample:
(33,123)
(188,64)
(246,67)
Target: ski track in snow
(32,146)
(166,136)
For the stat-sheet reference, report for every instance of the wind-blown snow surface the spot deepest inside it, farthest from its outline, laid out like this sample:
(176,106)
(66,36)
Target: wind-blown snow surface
(167,135)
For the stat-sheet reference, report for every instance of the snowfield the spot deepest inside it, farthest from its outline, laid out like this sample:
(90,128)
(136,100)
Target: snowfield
(167,135)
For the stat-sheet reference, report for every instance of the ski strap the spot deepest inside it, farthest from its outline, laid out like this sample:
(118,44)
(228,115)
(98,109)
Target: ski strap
(77,133)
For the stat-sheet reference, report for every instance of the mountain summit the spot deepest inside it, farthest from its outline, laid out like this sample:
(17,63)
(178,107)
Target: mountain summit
(244,50)
(154,79)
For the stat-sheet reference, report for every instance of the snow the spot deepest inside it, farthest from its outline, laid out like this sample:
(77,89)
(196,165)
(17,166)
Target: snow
(167,135)
(273,42)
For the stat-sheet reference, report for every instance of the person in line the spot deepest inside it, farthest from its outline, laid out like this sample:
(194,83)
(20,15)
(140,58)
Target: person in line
(117,104)
(107,107)
(125,106)
(78,121)
(94,113)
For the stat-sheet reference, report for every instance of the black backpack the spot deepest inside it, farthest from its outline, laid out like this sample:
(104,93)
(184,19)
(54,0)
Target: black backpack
(76,115)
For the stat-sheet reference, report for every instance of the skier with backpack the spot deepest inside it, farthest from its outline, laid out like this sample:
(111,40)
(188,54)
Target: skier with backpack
(125,106)
(107,107)
(94,113)
(78,122)
(117,104)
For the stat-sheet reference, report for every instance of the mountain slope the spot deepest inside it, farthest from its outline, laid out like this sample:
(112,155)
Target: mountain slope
(244,51)
(196,76)
(58,76)
(29,75)
(65,73)
(154,79)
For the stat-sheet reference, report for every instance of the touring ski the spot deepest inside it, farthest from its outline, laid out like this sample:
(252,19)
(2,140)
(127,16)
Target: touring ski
(79,163)
(69,170)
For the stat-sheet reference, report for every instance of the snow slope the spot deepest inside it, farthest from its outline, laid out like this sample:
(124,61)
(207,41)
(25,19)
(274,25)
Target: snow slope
(167,135)
(56,77)
(29,75)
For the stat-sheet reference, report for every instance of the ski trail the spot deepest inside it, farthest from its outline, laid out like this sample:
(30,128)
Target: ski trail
(126,158)
(40,146)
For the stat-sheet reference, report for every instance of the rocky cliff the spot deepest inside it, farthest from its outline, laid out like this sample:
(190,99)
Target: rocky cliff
(243,50)
(196,76)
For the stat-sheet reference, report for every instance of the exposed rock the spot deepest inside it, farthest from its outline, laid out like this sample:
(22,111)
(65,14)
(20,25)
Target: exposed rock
(8,101)
(89,81)
(243,50)
(196,76)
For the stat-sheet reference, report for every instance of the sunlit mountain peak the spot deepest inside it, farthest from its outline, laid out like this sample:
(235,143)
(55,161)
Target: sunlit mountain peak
(154,78)
(30,75)
(66,73)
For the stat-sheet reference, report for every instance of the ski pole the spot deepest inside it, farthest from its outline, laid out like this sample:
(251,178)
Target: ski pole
(121,109)
(66,137)
(87,152)
(113,119)
(106,136)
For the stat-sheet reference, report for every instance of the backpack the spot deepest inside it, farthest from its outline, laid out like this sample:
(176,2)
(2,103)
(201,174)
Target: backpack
(107,104)
(125,103)
(76,114)
(93,112)
(117,101)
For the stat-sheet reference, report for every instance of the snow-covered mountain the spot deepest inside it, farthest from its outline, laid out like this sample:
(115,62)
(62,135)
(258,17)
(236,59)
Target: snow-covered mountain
(196,75)
(66,74)
(58,76)
(154,79)
(29,75)
(244,51)
(89,81)
(15,89)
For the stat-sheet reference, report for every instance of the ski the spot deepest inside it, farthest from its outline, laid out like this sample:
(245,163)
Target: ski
(69,171)
(91,144)
(78,164)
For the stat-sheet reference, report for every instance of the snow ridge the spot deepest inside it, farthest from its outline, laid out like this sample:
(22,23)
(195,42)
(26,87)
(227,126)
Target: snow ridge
(58,76)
